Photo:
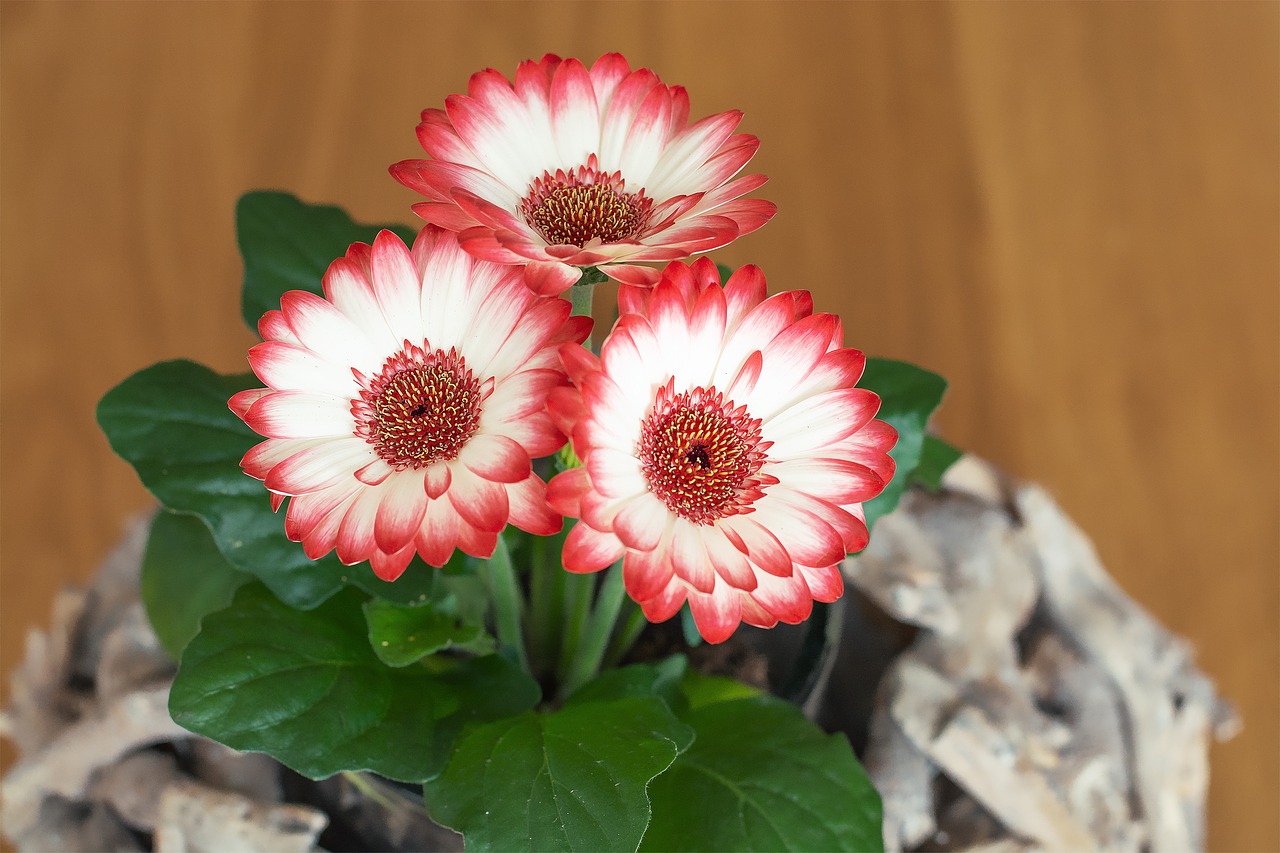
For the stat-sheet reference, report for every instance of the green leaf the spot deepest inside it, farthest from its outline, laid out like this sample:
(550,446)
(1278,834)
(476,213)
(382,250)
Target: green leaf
(404,635)
(306,688)
(287,244)
(700,690)
(660,679)
(574,779)
(908,396)
(759,776)
(171,422)
(935,458)
(184,578)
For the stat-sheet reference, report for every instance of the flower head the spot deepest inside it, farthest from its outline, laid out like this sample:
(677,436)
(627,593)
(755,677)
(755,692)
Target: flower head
(726,451)
(570,167)
(403,408)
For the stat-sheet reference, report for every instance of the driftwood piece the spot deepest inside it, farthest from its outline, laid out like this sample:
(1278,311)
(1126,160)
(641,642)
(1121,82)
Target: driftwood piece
(133,786)
(1037,707)
(65,766)
(77,827)
(196,818)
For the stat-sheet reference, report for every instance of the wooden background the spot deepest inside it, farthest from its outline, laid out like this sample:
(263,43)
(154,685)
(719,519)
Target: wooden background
(1070,210)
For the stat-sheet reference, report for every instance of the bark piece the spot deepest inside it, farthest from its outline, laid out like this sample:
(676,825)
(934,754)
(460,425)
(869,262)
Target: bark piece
(989,764)
(133,786)
(131,655)
(65,766)
(1172,709)
(197,818)
(41,704)
(73,827)
(1037,704)
(252,774)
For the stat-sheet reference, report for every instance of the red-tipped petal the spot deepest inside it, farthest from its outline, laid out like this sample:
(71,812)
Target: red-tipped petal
(647,574)
(481,503)
(388,567)
(530,510)
(495,457)
(400,513)
(588,550)
(758,543)
(550,278)
(717,615)
(641,523)
(565,491)
(689,557)
(825,583)
(437,538)
(788,599)
(667,603)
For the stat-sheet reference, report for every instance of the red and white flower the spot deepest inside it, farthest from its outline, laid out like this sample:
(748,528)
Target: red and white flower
(403,408)
(726,451)
(570,167)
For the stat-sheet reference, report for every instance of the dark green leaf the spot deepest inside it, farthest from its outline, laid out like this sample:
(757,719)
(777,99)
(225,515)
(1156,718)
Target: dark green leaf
(935,458)
(184,578)
(574,779)
(660,679)
(288,244)
(172,423)
(908,396)
(404,635)
(306,688)
(759,776)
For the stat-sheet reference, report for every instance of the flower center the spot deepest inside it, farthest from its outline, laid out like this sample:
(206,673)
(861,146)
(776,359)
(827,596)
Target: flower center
(584,204)
(702,455)
(421,408)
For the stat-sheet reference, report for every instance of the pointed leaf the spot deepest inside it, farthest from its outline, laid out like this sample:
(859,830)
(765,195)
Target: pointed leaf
(171,422)
(661,680)
(404,635)
(935,458)
(287,244)
(908,396)
(306,688)
(574,779)
(760,776)
(184,578)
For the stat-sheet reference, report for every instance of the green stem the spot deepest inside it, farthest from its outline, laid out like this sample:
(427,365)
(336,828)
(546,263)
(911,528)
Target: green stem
(546,600)
(504,591)
(580,296)
(578,591)
(586,663)
(632,627)
(389,798)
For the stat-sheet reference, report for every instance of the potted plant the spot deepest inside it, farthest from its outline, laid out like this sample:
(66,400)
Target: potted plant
(450,543)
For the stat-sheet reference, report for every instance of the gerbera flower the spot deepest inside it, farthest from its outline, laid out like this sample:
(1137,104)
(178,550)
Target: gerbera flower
(726,451)
(403,408)
(573,168)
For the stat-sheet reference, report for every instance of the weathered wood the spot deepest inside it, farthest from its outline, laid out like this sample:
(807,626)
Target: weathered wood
(1059,710)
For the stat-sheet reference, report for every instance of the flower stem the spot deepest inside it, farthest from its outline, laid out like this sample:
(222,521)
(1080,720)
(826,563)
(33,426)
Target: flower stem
(504,592)
(379,792)
(590,654)
(577,612)
(580,296)
(546,602)
(632,627)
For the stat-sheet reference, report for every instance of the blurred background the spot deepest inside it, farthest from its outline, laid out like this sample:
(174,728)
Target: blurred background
(1071,210)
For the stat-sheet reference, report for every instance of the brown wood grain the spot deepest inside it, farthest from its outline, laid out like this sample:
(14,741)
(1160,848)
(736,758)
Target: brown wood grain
(1071,210)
